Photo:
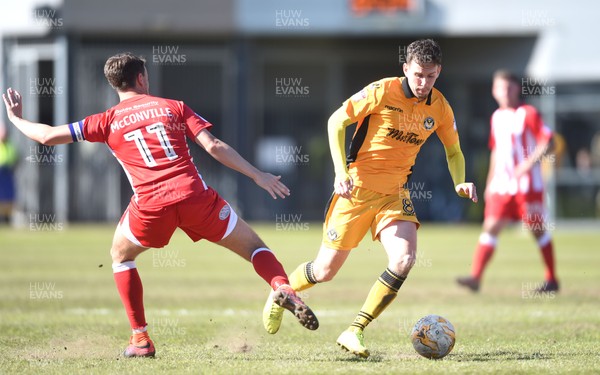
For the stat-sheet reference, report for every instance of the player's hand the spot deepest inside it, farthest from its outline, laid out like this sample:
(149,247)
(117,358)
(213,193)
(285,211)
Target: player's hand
(14,104)
(522,168)
(343,186)
(272,185)
(467,190)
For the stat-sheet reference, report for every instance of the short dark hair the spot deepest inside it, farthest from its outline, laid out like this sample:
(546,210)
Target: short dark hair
(424,51)
(507,75)
(122,70)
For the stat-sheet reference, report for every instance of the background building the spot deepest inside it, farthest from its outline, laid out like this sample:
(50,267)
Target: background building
(268,74)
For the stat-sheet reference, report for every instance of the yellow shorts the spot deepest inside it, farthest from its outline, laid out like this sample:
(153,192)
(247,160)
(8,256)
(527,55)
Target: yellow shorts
(348,220)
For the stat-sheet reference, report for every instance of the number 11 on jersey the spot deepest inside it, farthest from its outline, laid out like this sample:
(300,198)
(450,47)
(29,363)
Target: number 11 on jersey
(158,129)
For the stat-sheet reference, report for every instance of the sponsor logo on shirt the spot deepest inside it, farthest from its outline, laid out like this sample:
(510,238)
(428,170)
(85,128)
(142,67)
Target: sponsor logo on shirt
(135,107)
(392,108)
(406,137)
(362,94)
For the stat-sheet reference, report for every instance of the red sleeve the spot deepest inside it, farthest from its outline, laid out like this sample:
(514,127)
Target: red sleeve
(533,121)
(194,122)
(95,127)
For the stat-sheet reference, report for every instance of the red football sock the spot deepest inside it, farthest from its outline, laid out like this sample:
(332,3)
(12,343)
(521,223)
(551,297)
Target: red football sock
(545,243)
(268,267)
(131,291)
(483,254)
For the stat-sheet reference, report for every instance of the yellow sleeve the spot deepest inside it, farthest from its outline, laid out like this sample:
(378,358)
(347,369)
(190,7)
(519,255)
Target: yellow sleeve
(336,129)
(357,107)
(456,163)
(447,131)
(366,101)
(448,134)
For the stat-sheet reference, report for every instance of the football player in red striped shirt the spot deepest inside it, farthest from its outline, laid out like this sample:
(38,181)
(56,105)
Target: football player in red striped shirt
(147,135)
(515,188)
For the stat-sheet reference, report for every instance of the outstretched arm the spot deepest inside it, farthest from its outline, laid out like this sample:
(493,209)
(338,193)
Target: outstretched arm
(229,157)
(456,166)
(42,133)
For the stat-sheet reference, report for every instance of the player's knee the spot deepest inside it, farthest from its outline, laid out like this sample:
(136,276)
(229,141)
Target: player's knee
(243,236)
(117,254)
(493,227)
(405,263)
(120,254)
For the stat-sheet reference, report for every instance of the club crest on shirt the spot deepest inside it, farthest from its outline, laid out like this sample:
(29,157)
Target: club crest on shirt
(224,213)
(429,123)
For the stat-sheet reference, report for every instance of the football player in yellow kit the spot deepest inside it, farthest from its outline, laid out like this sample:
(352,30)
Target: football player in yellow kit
(394,117)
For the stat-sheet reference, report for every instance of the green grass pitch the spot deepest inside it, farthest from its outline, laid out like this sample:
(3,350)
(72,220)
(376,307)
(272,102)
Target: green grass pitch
(60,312)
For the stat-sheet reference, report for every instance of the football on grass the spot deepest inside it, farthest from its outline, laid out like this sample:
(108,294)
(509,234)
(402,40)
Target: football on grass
(433,337)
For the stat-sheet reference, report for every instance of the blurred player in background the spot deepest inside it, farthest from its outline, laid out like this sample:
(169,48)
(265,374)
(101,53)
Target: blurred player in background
(515,185)
(147,135)
(8,161)
(394,117)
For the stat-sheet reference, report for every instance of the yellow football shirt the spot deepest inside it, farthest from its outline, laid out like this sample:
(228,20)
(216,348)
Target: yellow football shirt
(392,125)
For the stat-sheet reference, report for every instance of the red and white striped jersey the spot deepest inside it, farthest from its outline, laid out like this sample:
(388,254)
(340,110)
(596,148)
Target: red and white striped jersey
(514,135)
(147,135)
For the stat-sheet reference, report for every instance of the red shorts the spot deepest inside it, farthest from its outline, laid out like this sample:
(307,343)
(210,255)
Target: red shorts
(527,208)
(202,216)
